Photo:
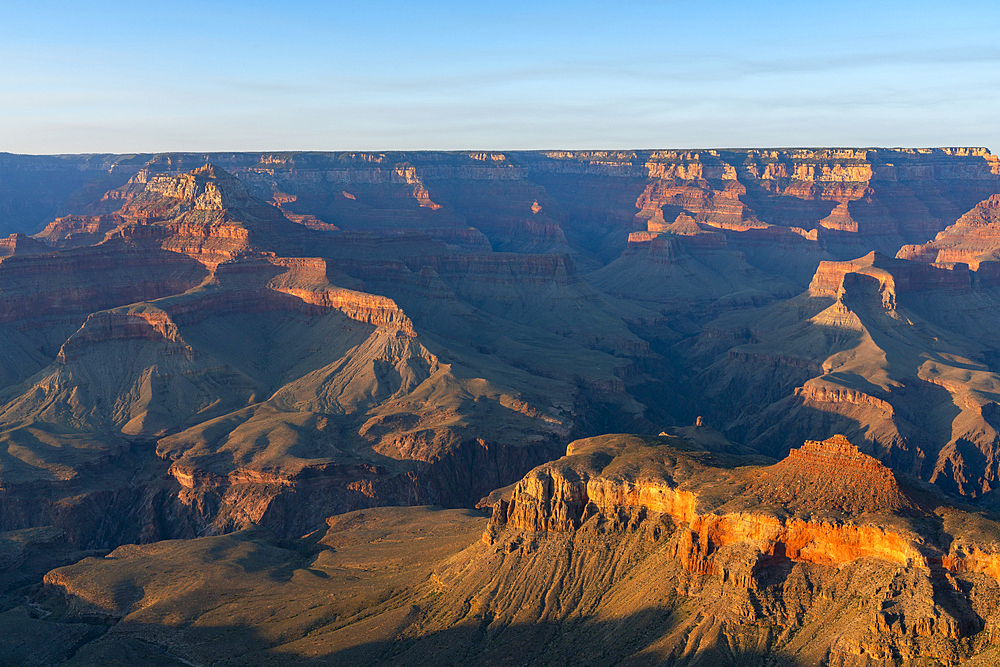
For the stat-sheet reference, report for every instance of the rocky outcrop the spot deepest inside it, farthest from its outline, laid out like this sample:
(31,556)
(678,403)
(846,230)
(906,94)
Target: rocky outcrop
(839,395)
(831,475)
(716,207)
(19,244)
(884,195)
(838,477)
(894,276)
(729,554)
(294,503)
(368,308)
(974,240)
(207,188)
(118,325)
(635,579)
(869,192)
(207,214)
(306,279)
(878,340)
(78,230)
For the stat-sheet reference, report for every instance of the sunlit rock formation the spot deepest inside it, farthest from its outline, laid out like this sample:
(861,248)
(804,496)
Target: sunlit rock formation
(641,550)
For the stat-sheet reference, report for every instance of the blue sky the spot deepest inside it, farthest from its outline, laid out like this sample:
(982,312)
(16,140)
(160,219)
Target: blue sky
(171,76)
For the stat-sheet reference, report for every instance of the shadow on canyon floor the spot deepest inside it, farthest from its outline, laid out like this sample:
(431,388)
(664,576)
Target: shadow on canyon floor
(629,640)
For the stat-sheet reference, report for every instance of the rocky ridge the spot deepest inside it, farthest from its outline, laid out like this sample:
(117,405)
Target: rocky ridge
(738,546)
(641,550)
(358,406)
(831,475)
(870,349)
(527,201)
(973,240)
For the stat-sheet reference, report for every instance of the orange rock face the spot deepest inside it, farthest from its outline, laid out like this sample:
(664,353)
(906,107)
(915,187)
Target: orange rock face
(741,565)
(800,541)
(832,475)
(915,595)
(720,208)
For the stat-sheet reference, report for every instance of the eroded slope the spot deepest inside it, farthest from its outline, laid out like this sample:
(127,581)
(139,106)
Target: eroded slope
(628,550)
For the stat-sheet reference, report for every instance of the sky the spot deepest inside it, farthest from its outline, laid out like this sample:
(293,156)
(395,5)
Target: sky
(136,76)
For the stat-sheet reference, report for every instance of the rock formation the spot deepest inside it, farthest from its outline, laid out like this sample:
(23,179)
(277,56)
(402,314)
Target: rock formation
(253,376)
(974,240)
(856,200)
(832,475)
(610,486)
(634,549)
(873,349)
(19,244)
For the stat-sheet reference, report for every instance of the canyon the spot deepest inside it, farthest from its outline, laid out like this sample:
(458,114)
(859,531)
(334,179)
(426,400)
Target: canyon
(281,357)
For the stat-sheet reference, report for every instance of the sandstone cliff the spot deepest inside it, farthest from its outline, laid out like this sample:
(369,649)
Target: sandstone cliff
(974,239)
(734,555)
(636,550)
(583,201)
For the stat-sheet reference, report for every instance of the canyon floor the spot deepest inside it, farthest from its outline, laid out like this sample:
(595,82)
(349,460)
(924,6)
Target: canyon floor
(372,408)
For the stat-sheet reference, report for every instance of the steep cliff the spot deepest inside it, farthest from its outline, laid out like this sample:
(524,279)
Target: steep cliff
(972,240)
(852,200)
(627,550)
(19,244)
(759,544)
(210,341)
(583,202)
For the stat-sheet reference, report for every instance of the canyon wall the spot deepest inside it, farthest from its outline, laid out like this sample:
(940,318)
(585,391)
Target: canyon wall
(732,558)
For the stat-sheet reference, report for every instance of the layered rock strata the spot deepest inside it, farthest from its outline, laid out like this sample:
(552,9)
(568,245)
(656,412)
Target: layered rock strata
(973,241)
(895,353)
(521,199)
(417,260)
(829,476)
(737,549)
(639,550)
(280,388)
